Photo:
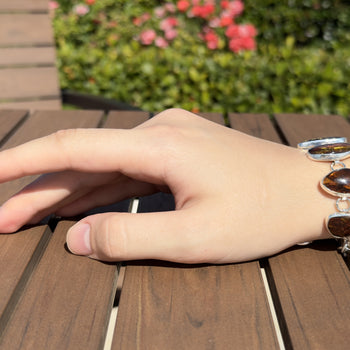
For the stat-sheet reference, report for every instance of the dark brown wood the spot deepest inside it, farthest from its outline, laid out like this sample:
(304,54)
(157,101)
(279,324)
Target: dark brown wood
(312,284)
(22,251)
(257,125)
(125,119)
(66,303)
(174,307)
(209,307)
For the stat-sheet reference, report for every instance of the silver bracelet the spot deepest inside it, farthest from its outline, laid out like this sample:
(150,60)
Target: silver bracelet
(336,183)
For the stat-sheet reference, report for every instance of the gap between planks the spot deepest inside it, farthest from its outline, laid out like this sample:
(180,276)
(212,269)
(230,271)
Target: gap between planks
(114,313)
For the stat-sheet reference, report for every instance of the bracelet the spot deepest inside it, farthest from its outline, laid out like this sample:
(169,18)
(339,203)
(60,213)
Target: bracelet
(336,183)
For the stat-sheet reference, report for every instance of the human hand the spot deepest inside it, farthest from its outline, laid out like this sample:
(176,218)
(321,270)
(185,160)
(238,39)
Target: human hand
(237,197)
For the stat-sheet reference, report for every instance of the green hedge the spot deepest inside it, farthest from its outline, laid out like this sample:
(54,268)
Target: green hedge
(324,23)
(105,60)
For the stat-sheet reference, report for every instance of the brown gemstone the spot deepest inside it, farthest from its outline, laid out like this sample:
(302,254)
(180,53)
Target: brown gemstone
(334,148)
(337,182)
(339,225)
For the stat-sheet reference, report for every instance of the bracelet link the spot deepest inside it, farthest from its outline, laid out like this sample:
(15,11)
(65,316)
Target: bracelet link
(336,183)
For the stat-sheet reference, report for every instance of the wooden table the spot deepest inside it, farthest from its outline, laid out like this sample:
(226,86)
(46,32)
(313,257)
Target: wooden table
(51,299)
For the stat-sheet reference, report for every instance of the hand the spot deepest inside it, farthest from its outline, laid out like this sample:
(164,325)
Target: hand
(237,197)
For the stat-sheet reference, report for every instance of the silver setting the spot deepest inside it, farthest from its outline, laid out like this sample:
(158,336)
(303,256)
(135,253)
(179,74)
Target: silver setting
(328,157)
(336,165)
(343,200)
(336,215)
(320,141)
(345,247)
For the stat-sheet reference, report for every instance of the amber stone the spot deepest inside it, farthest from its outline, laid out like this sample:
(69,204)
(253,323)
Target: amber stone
(320,141)
(337,182)
(335,151)
(339,225)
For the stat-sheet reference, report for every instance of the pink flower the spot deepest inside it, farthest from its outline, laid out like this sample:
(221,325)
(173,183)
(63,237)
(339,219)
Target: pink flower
(215,22)
(170,34)
(138,21)
(236,7)
(160,12)
(170,7)
(168,23)
(232,31)
(249,43)
(161,42)
(212,40)
(240,44)
(53,5)
(81,9)
(147,36)
(235,45)
(247,30)
(183,5)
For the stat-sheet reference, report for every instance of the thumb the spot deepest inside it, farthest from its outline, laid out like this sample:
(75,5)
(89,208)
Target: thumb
(126,236)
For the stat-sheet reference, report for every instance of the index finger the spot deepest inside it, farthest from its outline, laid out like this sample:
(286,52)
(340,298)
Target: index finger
(133,152)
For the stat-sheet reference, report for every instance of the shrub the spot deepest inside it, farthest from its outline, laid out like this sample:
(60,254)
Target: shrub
(99,53)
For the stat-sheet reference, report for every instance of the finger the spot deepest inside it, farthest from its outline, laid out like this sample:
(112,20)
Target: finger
(60,193)
(123,236)
(87,150)
(107,195)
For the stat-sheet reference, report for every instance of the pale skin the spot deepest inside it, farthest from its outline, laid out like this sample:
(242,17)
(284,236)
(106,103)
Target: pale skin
(237,197)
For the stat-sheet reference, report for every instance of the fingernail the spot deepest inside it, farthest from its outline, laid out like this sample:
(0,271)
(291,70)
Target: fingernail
(78,239)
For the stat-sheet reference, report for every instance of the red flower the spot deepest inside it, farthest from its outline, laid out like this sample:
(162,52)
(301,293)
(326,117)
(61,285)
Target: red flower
(226,21)
(90,2)
(168,23)
(203,11)
(232,31)
(225,4)
(212,40)
(183,5)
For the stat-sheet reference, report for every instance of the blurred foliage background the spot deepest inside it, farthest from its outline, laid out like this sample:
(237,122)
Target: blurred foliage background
(301,64)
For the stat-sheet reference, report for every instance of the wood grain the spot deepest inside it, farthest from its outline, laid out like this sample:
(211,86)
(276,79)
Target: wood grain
(21,251)
(25,30)
(312,284)
(194,307)
(66,304)
(27,56)
(26,83)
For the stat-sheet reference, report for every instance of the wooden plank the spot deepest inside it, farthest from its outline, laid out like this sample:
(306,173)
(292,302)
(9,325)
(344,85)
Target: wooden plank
(125,119)
(15,269)
(184,307)
(33,105)
(25,30)
(27,56)
(77,297)
(313,283)
(8,121)
(66,304)
(173,306)
(257,125)
(24,83)
(24,5)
